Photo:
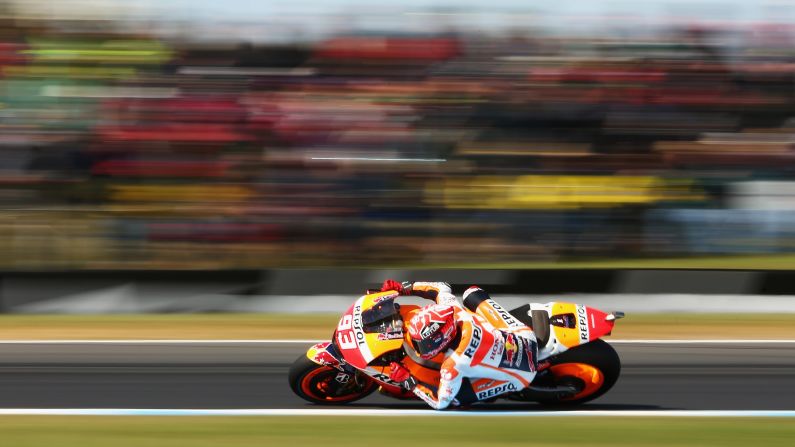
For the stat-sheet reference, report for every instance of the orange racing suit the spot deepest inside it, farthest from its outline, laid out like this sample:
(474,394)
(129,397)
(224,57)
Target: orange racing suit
(493,353)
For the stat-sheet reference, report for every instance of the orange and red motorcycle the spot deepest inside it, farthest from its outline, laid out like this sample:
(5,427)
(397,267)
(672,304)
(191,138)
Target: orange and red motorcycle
(574,364)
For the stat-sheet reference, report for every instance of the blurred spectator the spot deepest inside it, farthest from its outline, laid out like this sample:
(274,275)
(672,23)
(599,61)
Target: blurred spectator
(129,150)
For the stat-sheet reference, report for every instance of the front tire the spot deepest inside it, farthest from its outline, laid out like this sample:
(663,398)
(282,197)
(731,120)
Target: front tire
(319,384)
(593,368)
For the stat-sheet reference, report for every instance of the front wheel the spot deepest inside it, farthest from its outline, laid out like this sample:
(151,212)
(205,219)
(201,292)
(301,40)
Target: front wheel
(592,369)
(322,384)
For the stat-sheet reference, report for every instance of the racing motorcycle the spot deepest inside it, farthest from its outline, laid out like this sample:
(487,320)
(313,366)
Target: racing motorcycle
(574,364)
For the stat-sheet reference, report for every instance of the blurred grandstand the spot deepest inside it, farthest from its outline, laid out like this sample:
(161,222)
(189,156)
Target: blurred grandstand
(124,148)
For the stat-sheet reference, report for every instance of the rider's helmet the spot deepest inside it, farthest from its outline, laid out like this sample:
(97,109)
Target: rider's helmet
(432,329)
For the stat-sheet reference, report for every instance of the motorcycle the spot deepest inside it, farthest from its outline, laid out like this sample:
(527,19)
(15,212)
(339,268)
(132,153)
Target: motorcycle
(574,364)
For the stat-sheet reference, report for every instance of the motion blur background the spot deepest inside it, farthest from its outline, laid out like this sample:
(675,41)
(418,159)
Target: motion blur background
(183,134)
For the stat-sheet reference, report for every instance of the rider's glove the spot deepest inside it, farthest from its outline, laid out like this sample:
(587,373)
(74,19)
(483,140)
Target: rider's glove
(398,373)
(391,284)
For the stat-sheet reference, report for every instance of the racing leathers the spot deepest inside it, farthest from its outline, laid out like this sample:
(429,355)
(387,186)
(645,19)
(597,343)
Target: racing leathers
(492,354)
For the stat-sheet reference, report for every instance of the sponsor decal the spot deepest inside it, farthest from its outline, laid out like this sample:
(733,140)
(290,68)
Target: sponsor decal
(324,358)
(582,324)
(381,377)
(474,341)
(565,320)
(448,374)
(350,336)
(478,385)
(496,351)
(343,377)
(390,335)
(505,315)
(390,296)
(496,391)
(344,336)
(521,345)
(511,349)
(544,364)
(530,349)
(427,331)
(350,330)
(445,391)
(426,396)
(357,325)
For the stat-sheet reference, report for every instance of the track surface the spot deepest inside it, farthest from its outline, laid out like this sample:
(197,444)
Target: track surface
(235,375)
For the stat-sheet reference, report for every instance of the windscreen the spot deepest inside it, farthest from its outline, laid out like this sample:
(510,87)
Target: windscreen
(383,318)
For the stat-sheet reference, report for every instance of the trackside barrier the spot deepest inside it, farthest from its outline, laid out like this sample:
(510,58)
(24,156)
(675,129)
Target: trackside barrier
(325,290)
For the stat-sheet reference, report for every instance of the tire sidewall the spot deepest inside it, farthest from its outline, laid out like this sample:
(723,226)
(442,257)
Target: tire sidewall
(598,354)
(302,366)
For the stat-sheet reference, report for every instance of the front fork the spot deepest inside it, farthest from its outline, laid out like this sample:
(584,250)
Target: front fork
(326,354)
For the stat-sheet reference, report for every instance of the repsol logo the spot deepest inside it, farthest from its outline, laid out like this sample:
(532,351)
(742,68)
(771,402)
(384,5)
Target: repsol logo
(357,325)
(509,319)
(474,342)
(496,391)
(427,331)
(382,378)
(582,323)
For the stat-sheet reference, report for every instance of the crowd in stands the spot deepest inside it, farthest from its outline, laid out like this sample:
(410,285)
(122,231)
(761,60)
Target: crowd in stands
(131,151)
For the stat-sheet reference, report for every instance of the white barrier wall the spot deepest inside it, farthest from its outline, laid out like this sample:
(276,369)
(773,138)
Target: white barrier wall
(763,195)
(630,303)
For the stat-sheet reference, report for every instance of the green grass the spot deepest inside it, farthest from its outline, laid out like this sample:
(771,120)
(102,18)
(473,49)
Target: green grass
(320,326)
(168,326)
(105,431)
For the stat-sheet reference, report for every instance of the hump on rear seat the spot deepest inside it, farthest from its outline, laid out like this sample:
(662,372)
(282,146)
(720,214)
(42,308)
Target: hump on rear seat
(536,319)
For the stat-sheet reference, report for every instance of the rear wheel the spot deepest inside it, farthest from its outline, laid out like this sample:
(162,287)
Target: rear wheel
(322,384)
(592,369)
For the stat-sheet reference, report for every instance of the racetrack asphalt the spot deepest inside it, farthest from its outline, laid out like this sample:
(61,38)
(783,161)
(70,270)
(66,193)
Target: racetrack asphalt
(737,376)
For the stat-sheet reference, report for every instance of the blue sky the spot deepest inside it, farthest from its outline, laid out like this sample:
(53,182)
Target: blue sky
(312,18)
(242,9)
(315,18)
(215,10)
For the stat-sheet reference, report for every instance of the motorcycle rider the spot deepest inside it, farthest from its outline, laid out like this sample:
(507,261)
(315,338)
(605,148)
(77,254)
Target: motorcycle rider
(479,340)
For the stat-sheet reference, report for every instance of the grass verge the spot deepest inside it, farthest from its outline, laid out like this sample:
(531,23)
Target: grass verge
(321,326)
(103,431)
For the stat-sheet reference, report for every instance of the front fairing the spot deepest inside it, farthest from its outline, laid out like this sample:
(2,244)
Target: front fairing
(370,328)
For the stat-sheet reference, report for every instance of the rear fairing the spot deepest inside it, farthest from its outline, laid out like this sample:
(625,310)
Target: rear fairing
(572,325)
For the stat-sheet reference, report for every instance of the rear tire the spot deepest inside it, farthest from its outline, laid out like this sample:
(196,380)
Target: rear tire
(598,355)
(317,383)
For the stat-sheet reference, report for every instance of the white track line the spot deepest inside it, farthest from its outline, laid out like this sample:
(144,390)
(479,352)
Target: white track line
(384,412)
(290,341)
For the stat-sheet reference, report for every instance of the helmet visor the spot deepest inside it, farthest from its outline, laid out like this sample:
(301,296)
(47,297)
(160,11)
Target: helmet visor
(429,346)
